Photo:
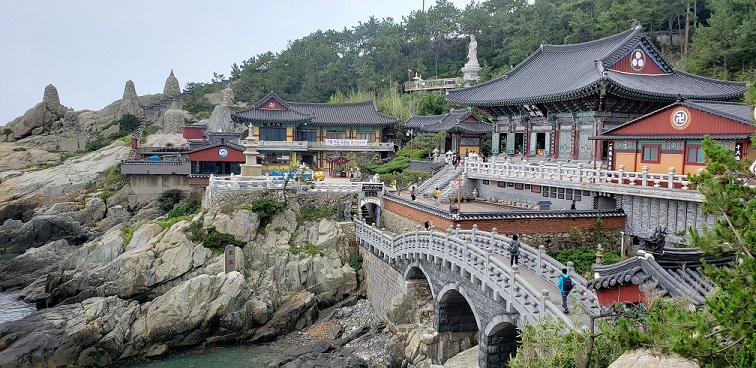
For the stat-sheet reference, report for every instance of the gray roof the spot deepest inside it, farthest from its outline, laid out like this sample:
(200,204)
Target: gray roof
(227,144)
(425,166)
(559,72)
(350,114)
(729,110)
(675,272)
(452,121)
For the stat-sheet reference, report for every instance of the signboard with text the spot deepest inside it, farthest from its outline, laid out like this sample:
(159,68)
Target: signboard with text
(346,142)
(230,261)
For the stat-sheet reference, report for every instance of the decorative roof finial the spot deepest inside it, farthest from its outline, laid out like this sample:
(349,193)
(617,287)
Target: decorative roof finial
(543,42)
(636,24)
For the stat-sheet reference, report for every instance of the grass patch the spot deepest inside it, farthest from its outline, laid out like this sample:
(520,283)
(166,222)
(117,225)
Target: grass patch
(171,221)
(185,207)
(19,149)
(312,213)
(127,232)
(150,130)
(308,248)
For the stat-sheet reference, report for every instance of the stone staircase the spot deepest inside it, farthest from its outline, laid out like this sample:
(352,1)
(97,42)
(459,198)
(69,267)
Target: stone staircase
(442,180)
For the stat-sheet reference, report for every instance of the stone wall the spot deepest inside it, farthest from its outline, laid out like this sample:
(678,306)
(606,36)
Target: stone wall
(646,214)
(215,198)
(149,186)
(383,282)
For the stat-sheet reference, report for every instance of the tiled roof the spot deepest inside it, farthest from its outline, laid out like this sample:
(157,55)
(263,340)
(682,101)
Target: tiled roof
(554,73)
(350,114)
(453,121)
(361,113)
(227,144)
(729,110)
(669,136)
(426,166)
(278,116)
(675,272)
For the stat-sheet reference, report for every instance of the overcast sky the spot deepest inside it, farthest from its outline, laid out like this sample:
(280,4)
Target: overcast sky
(88,49)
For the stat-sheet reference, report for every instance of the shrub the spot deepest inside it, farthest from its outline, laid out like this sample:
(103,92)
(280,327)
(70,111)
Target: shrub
(184,208)
(210,237)
(397,164)
(114,175)
(7,131)
(355,261)
(266,208)
(19,149)
(168,200)
(583,258)
(312,213)
(96,143)
(152,129)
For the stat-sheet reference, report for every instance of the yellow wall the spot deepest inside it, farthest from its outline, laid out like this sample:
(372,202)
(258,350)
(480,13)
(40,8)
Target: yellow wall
(666,161)
(290,135)
(470,149)
(625,158)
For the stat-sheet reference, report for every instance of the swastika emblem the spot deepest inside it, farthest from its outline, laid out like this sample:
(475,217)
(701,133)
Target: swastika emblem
(680,119)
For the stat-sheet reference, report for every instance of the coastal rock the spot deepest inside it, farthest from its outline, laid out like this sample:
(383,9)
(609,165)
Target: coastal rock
(644,358)
(130,102)
(141,271)
(318,354)
(40,230)
(44,113)
(296,311)
(101,331)
(35,263)
(242,224)
(172,86)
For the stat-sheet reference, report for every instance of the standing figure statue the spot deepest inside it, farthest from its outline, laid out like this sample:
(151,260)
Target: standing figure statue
(472,51)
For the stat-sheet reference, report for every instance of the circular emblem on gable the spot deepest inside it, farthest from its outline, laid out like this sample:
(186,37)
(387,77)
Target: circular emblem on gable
(637,59)
(223,152)
(680,118)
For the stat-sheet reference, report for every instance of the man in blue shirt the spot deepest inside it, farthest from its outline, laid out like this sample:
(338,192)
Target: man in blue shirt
(565,286)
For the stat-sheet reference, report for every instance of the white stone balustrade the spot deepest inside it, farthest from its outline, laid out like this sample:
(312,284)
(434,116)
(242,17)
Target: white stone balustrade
(577,176)
(472,254)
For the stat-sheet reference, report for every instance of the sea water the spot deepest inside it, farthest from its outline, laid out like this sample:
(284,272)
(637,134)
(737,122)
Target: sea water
(237,356)
(11,308)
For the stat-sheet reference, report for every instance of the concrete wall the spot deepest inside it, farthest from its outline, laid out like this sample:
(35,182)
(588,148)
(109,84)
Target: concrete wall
(527,196)
(156,185)
(646,214)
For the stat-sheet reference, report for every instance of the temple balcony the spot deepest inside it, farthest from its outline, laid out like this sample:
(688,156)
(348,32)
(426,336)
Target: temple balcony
(432,84)
(329,145)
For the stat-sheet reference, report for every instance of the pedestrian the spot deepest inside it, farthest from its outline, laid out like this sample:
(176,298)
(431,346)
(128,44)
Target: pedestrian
(428,225)
(412,193)
(572,206)
(436,194)
(565,286)
(515,253)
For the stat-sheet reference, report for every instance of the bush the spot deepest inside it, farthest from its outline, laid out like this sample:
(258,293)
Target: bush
(397,164)
(211,238)
(169,199)
(312,213)
(583,258)
(96,143)
(114,175)
(185,207)
(7,131)
(152,129)
(19,149)
(266,208)
(355,261)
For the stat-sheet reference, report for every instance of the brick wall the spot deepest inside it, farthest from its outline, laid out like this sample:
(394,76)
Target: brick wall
(414,216)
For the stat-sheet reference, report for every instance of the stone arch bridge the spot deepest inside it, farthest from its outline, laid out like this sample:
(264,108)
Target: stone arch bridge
(472,284)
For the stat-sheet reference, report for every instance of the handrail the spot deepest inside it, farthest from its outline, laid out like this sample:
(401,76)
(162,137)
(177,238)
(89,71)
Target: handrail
(472,250)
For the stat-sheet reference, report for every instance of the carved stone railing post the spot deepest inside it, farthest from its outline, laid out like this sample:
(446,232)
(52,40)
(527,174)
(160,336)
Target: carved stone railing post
(511,296)
(570,267)
(493,240)
(598,172)
(474,230)
(542,304)
(579,172)
(671,178)
(541,252)
(620,175)
(644,176)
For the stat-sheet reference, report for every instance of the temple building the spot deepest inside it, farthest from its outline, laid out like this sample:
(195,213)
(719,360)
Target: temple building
(316,133)
(673,136)
(550,104)
(464,130)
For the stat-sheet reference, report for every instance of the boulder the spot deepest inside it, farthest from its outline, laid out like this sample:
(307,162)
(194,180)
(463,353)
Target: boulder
(23,269)
(174,119)
(644,358)
(40,230)
(220,120)
(39,116)
(296,311)
(318,354)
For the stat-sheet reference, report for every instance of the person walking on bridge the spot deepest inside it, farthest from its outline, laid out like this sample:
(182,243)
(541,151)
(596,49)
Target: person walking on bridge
(565,286)
(515,253)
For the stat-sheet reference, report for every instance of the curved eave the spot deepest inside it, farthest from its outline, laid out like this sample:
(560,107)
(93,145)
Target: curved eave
(624,91)
(252,120)
(568,95)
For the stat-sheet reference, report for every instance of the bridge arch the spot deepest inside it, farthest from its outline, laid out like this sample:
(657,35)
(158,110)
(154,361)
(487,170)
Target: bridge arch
(498,341)
(417,273)
(454,310)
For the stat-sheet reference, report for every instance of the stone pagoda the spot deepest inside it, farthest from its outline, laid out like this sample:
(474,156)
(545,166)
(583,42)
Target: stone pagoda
(251,170)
